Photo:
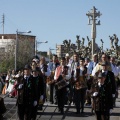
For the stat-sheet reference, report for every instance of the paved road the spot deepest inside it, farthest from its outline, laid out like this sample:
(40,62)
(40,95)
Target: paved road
(50,112)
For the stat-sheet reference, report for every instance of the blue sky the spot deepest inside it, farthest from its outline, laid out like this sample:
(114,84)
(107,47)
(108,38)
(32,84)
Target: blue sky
(57,20)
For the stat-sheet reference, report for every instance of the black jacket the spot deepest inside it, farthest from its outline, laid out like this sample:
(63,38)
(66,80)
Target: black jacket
(28,93)
(39,83)
(104,100)
(111,79)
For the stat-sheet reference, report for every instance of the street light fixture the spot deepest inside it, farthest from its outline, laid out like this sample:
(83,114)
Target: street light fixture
(16,45)
(39,43)
(42,42)
(28,32)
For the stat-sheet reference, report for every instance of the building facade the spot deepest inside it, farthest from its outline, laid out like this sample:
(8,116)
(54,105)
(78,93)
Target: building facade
(25,47)
(61,50)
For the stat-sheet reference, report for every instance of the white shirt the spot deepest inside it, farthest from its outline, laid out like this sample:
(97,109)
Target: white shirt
(81,71)
(114,69)
(67,77)
(90,67)
(105,72)
(94,69)
(118,68)
(51,66)
(46,73)
(26,78)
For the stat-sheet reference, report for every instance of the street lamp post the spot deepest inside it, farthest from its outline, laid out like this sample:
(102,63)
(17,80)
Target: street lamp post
(38,43)
(16,45)
(50,49)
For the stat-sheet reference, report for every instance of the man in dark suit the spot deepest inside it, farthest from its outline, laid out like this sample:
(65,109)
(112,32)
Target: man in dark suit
(102,97)
(110,78)
(39,83)
(27,94)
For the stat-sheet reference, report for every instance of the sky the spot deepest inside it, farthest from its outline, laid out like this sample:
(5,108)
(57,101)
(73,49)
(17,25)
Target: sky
(57,20)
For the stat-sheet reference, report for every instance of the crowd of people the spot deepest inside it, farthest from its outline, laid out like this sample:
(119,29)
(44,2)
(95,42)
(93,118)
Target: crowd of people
(70,80)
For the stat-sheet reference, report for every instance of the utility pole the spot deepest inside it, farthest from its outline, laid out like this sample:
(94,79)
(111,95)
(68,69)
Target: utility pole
(102,44)
(16,46)
(50,52)
(92,21)
(35,47)
(3,21)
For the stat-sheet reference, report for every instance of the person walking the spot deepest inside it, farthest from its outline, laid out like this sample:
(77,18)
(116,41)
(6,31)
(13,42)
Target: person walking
(62,74)
(27,94)
(102,98)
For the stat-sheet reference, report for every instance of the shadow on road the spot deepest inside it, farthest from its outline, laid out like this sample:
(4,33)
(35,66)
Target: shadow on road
(67,113)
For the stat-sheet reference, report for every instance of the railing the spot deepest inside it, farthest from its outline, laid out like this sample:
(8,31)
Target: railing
(10,104)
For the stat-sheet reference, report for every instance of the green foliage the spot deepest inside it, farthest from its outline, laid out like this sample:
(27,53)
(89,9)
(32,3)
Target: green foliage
(6,64)
(25,52)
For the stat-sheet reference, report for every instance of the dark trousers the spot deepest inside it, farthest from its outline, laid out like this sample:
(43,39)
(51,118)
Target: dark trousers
(61,98)
(102,115)
(71,93)
(24,112)
(1,117)
(34,112)
(88,98)
(80,99)
(52,93)
(45,96)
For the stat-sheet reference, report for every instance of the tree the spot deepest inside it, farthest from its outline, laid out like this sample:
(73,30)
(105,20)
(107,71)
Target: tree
(25,52)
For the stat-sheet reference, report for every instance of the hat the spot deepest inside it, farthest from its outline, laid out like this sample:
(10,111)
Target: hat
(36,57)
(35,60)
(27,67)
(82,58)
(67,55)
(104,63)
(87,59)
(94,55)
(100,75)
(36,69)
